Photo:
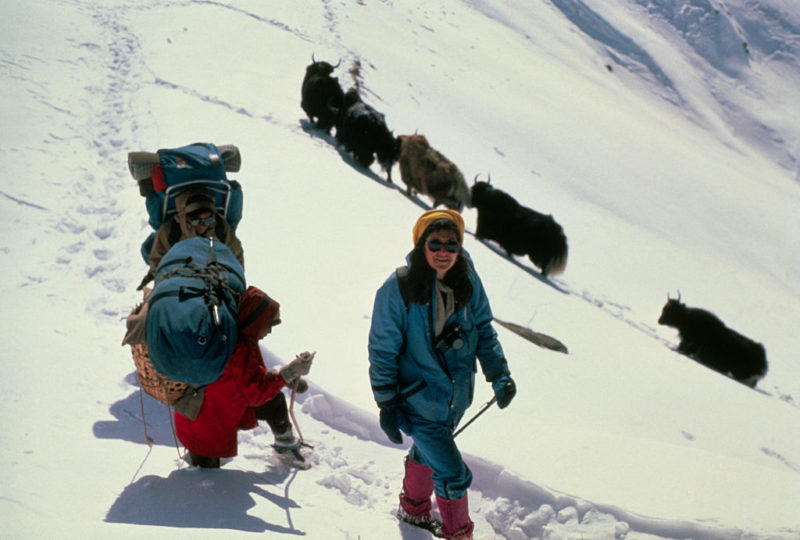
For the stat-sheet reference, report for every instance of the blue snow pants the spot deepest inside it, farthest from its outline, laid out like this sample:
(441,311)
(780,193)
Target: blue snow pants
(434,446)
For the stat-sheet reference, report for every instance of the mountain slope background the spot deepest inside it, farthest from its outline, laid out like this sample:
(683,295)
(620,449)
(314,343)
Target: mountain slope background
(660,135)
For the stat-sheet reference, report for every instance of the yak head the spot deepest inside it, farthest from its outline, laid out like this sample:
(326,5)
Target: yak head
(479,191)
(338,107)
(351,97)
(459,196)
(320,68)
(673,312)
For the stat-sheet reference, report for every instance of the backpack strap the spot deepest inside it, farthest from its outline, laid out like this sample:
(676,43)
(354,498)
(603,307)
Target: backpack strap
(174,232)
(219,230)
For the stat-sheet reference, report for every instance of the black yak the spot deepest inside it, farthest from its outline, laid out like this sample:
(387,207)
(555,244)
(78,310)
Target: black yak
(320,92)
(518,229)
(362,130)
(706,339)
(425,170)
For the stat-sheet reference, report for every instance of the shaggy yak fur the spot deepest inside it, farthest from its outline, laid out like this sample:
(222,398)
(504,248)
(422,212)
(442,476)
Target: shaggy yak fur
(319,93)
(706,339)
(518,229)
(426,171)
(362,130)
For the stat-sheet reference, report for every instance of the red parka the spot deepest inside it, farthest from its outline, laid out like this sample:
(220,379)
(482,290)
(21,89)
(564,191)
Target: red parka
(228,402)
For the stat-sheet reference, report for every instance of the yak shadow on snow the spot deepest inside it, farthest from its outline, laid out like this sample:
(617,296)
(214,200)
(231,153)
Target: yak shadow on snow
(348,158)
(128,424)
(202,499)
(530,271)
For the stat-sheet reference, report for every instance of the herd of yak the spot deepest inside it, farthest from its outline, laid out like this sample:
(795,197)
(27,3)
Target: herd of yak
(362,131)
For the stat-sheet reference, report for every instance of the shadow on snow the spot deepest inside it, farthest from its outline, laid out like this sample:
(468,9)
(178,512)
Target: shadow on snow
(207,499)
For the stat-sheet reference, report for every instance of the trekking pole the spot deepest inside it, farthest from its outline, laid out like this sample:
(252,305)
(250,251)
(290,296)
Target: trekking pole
(211,295)
(477,414)
(291,409)
(147,437)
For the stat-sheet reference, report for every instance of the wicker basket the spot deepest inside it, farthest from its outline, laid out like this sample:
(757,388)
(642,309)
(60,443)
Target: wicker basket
(153,382)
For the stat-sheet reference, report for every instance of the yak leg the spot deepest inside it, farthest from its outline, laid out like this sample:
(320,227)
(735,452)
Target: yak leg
(365,159)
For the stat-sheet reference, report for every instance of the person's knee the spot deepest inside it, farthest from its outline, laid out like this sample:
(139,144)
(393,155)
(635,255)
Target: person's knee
(455,486)
(275,413)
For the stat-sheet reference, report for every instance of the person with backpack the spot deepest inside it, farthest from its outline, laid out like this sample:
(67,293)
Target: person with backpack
(431,320)
(195,215)
(245,393)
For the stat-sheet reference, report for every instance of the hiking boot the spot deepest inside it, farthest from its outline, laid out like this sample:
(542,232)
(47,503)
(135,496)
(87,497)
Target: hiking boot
(286,442)
(204,462)
(424,521)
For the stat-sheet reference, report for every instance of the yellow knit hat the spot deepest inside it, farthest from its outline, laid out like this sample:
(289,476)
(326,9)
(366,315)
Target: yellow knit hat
(433,215)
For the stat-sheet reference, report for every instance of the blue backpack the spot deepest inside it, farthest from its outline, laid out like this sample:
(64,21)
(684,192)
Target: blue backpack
(192,311)
(164,174)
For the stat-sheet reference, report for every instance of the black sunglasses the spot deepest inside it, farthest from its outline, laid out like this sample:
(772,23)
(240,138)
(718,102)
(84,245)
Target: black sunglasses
(206,221)
(435,245)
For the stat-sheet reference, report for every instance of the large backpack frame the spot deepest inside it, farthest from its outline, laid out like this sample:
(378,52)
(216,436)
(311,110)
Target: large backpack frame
(219,189)
(163,175)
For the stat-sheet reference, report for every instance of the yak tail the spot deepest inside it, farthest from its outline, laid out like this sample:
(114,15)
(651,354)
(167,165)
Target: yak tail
(557,265)
(558,262)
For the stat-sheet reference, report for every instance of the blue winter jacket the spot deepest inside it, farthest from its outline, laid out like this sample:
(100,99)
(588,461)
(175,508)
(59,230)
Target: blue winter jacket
(405,365)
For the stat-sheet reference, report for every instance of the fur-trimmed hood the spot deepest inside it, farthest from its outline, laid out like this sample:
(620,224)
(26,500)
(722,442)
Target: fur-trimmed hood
(257,311)
(192,200)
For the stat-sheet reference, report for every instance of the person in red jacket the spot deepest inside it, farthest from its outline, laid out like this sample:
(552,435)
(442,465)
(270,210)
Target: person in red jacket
(242,393)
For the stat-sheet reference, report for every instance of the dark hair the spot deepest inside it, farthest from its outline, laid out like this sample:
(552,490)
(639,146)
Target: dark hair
(421,276)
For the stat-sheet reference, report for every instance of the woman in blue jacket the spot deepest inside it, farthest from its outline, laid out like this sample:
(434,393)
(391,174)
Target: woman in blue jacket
(431,325)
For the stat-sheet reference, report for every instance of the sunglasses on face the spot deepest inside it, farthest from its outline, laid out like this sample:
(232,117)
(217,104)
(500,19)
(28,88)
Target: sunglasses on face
(435,245)
(205,221)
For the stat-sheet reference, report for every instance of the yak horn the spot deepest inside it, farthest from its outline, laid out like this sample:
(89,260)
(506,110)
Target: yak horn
(489,181)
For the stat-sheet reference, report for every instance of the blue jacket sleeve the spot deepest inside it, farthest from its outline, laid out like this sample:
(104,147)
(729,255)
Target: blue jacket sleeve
(386,340)
(490,352)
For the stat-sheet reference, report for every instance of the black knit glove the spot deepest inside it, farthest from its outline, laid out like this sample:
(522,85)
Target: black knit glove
(504,390)
(389,420)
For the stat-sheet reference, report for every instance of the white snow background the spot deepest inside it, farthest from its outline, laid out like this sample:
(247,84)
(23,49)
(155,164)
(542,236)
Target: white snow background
(663,136)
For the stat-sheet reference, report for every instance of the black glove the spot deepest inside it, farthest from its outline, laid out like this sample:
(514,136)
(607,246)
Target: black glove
(389,421)
(504,390)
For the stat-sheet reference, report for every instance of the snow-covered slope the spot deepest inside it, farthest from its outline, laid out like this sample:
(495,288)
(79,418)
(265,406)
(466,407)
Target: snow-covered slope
(659,134)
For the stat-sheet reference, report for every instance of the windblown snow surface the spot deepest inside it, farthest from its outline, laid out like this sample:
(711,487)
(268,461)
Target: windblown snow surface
(662,135)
